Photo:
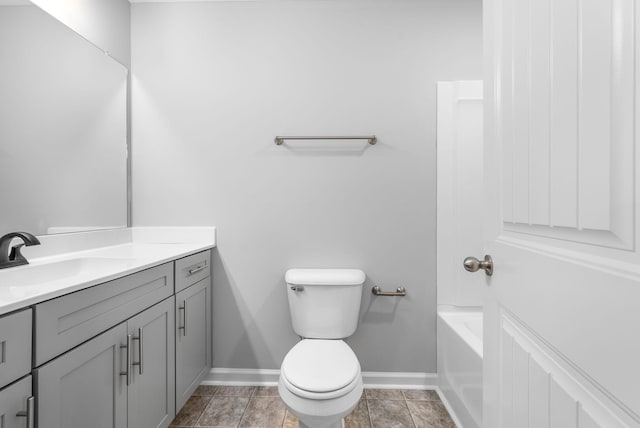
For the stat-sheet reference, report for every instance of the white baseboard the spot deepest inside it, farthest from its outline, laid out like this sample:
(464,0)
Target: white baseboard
(252,377)
(449,408)
(400,380)
(385,380)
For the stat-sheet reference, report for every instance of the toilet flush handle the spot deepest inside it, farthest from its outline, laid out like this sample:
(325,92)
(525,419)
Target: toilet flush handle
(297,287)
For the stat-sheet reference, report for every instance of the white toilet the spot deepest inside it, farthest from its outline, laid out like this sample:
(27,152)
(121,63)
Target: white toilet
(320,380)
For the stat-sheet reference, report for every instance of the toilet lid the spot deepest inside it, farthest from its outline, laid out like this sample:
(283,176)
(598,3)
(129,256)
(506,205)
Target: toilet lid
(316,365)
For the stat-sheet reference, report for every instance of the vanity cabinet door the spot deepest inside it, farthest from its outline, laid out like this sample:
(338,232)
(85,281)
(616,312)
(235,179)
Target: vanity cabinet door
(151,397)
(84,387)
(14,402)
(193,338)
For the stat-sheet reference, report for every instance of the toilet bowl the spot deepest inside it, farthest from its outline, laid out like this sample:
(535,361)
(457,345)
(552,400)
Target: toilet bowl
(320,382)
(320,379)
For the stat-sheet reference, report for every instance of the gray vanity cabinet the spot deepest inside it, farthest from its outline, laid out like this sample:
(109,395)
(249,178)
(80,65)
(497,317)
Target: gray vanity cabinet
(121,378)
(151,394)
(126,353)
(193,338)
(84,387)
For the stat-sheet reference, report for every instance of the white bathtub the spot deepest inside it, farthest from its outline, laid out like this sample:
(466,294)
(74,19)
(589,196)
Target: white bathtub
(460,364)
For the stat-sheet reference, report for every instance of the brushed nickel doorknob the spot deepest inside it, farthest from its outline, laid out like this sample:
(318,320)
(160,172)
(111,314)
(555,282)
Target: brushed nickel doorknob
(472,264)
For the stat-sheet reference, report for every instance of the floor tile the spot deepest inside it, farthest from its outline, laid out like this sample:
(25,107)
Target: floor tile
(383,394)
(264,412)
(266,391)
(191,411)
(253,407)
(223,412)
(421,394)
(390,413)
(359,417)
(430,414)
(205,390)
(290,421)
(235,391)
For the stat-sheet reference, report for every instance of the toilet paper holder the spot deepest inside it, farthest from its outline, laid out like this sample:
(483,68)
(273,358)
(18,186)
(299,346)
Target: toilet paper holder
(400,291)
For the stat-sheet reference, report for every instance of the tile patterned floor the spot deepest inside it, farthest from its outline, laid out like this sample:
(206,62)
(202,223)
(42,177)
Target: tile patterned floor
(249,406)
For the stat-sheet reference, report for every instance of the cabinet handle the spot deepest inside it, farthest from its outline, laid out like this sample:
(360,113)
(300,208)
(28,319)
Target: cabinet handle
(183,327)
(140,348)
(28,413)
(128,364)
(197,268)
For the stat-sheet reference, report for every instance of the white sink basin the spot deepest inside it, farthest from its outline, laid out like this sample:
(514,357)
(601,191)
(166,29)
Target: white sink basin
(25,280)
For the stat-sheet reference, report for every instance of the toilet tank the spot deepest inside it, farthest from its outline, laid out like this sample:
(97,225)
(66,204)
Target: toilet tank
(324,303)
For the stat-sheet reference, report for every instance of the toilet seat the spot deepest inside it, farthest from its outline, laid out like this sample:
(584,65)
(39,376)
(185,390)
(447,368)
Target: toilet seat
(320,369)
(320,395)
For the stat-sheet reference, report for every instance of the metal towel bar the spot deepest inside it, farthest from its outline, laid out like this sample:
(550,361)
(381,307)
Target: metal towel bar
(372,139)
(400,291)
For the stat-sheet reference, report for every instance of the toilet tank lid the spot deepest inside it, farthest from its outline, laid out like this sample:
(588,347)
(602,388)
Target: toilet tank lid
(325,276)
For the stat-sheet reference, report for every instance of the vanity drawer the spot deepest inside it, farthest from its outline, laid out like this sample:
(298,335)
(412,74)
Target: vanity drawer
(192,269)
(15,346)
(67,321)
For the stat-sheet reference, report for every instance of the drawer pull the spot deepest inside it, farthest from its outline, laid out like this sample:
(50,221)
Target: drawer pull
(183,327)
(128,363)
(197,268)
(140,350)
(28,413)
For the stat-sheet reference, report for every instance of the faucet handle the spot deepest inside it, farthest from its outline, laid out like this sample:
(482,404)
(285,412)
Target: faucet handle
(16,254)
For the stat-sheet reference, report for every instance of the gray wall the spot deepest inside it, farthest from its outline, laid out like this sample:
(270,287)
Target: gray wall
(213,83)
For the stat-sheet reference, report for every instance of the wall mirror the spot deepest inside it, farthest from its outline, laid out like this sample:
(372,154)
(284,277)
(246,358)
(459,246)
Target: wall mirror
(63,127)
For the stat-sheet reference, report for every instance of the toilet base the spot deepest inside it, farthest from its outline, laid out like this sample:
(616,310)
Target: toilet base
(321,413)
(339,424)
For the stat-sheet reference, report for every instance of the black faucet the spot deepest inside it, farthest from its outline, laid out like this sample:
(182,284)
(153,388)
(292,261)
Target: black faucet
(15,257)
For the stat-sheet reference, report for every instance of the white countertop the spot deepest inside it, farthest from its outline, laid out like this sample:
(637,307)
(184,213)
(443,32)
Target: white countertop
(58,274)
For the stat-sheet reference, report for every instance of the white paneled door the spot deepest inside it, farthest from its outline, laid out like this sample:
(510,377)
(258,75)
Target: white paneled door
(562,309)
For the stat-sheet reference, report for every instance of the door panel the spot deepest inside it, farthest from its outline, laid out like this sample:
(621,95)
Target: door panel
(13,399)
(151,395)
(561,213)
(543,389)
(565,119)
(83,388)
(193,332)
